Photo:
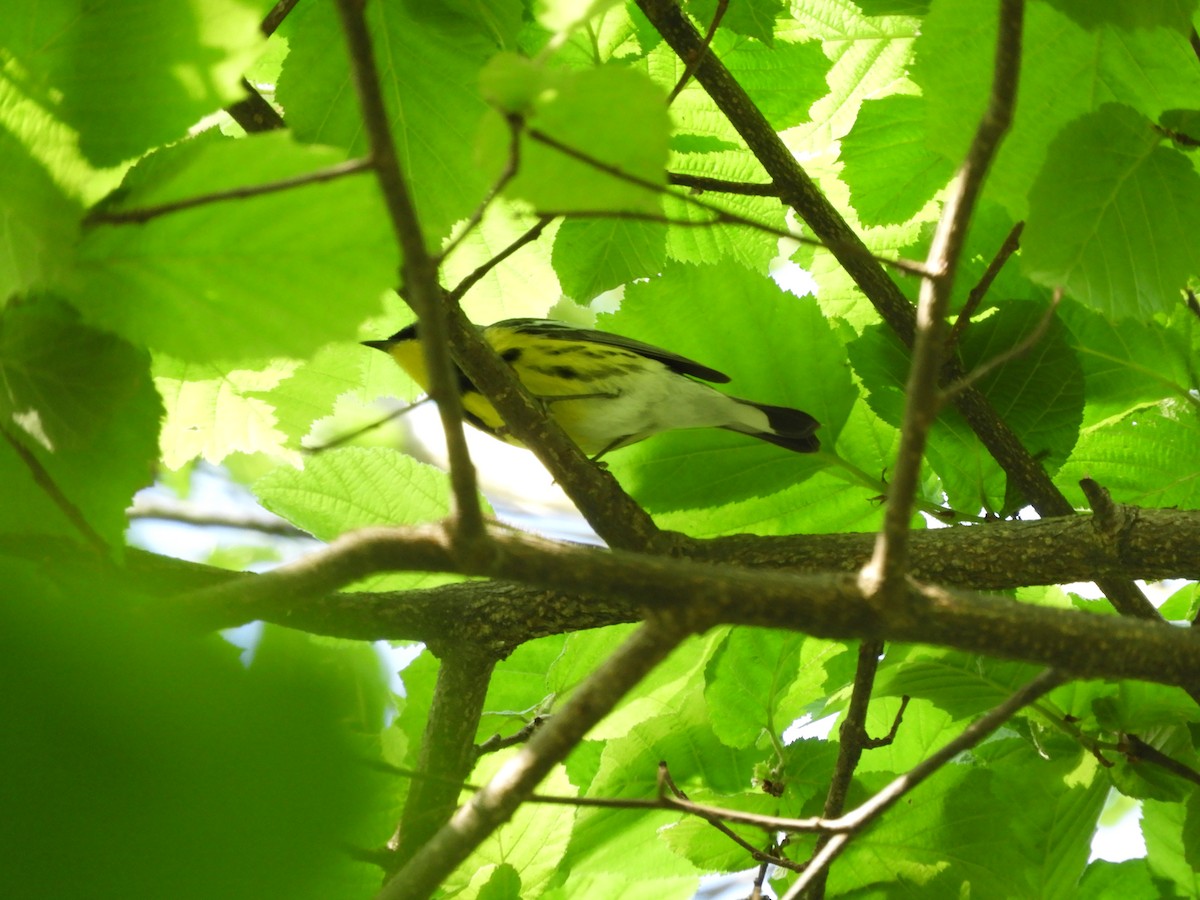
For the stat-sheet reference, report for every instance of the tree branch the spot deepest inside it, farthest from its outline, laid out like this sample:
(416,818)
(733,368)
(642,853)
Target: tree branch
(975,297)
(824,605)
(496,803)
(418,271)
(101,216)
(447,747)
(853,739)
(856,821)
(887,567)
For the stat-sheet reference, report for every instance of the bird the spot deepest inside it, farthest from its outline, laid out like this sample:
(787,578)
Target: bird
(605,390)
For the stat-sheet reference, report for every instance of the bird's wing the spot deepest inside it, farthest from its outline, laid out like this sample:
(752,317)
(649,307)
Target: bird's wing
(549,328)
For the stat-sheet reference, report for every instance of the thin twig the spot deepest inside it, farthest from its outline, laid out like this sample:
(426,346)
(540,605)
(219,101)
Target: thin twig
(189,515)
(46,482)
(853,739)
(275,17)
(1021,347)
(720,217)
(419,271)
(717,820)
(511,165)
(146,213)
(1138,750)
(358,432)
(690,69)
(885,572)
(854,822)
(703,184)
(459,291)
(254,113)
(975,297)
(814,824)
(496,743)
(875,743)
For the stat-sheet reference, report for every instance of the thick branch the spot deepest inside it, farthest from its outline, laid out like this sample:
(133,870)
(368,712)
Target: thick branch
(447,747)
(829,606)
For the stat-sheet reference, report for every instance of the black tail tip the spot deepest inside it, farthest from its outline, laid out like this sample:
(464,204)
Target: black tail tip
(792,429)
(804,443)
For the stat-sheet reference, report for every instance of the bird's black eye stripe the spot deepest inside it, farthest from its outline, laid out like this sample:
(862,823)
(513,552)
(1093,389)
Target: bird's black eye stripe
(511,355)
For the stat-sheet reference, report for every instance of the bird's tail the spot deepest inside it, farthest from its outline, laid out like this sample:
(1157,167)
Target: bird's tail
(790,428)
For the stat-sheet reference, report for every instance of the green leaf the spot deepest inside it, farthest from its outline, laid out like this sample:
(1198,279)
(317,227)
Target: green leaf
(699,244)
(523,285)
(1170,845)
(784,82)
(82,406)
(1150,14)
(199,762)
(747,677)
(607,840)
(894,7)
(428,63)
(1126,248)
(970,829)
(891,173)
(869,58)
(277,274)
(752,18)
(1149,458)
(959,683)
(595,255)
(1129,880)
(40,220)
(353,487)
(214,411)
(564,15)
(1073,72)
(759,681)
(776,347)
(1144,779)
(1182,605)
(131,74)
(1039,395)
(532,842)
(581,114)
(503,884)
(311,390)
(1138,707)
(1131,364)
(63,382)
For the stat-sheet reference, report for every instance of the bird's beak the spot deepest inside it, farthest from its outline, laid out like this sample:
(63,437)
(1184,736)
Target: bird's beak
(378,345)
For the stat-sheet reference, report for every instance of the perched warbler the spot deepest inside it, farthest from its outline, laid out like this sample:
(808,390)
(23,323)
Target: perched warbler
(608,391)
